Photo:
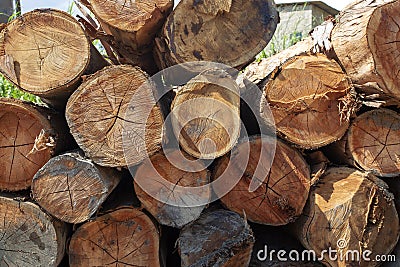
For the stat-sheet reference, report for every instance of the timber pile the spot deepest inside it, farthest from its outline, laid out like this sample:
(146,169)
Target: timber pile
(329,180)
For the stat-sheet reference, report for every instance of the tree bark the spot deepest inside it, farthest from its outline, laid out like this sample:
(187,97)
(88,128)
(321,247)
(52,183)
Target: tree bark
(113,106)
(45,52)
(177,169)
(133,25)
(216,31)
(30,136)
(126,236)
(374,142)
(72,188)
(284,187)
(349,211)
(310,99)
(217,238)
(366,42)
(205,115)
(29,236)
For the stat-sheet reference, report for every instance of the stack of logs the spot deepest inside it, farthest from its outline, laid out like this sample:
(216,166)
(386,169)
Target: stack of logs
(67,198)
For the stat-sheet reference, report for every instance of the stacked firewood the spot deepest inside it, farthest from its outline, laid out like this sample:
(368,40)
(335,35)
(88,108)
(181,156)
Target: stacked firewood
(75,192)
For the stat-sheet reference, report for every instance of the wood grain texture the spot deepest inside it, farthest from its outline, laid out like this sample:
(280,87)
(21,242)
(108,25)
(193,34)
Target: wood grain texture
(216,31)
(305,96)
(166,165)
(125,237)
(374,142)
(354,207)
(110,103)
(133,25)
(205,115)
(45,52)
(29,236)
(72,188)
(366,41)
(20,124)
(284,187)
(217,238)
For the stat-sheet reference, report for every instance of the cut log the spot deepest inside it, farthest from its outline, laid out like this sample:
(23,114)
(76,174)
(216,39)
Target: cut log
(123,237)
(217,238)
(29,236)
(112,107)
(205,115)
(72,188)
(161,168)
(284,187)
(349,211)
(366,41)
(29,137)
(374,142)
(310,99)
(133,24)
(45,52)
(258,72)
(232,32)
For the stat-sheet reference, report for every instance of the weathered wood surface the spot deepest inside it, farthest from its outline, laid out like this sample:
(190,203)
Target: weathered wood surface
(284,185)
(29,236)
(133,26)
(205,115)
(310,99)
(45,52)
(178,169)
(72,188)
(29,137)
(217,238)
(216,31)
(126,237)
(366,42)
(349,210)
(113,105)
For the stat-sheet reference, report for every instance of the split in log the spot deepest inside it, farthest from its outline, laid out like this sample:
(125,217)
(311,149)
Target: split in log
(349,211)
(126,237)
(284,187)
(232,32)
(217,238)
(72,188)
(205,115)
(308,96)
(45,52)
(133,25)
(114,105)
(374,142)
(29,236)
(366,41)
(167,168)
(29,138)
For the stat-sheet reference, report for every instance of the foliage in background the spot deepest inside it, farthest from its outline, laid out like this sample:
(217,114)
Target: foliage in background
(288,34)
(7,89)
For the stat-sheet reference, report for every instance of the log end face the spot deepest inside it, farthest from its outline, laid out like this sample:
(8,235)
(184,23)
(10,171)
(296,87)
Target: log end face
(39,51)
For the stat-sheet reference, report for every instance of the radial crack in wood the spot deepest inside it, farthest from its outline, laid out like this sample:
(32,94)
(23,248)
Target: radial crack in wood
(284,185)
(115,111)
(29,237)
(72,188)
(45,52)
(170,169)
(306,95)
(126,237)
